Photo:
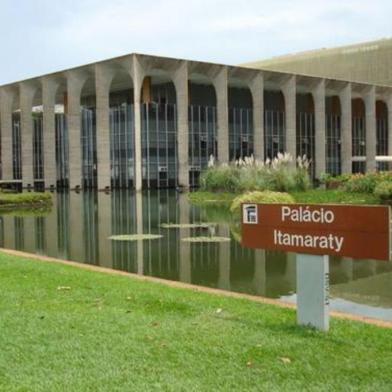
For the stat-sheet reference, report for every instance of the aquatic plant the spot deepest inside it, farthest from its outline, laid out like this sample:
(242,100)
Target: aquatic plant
(134,237)
(206,239)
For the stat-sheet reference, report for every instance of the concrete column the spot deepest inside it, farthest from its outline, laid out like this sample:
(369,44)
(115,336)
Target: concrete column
(51,228)
(346,128)
(371,135)
(257,90)
(103,79)
(139,230)
(74,87)
(289,91)
(320,137)
(49,88)
(137,77)
(76,237)
(26,120)
(180,79)
(221,91)
(6,100)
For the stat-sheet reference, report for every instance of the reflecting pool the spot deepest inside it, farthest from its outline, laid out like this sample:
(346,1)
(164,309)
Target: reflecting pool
(80,224)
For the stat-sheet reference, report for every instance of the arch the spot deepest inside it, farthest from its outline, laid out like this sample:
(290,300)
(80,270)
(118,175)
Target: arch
(240,107)
(202,124)
(121,129)
(382,135)
(159,130)
(333,134)
(358,135)
(274,123)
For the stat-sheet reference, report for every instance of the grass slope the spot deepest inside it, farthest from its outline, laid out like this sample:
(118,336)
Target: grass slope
(65,329)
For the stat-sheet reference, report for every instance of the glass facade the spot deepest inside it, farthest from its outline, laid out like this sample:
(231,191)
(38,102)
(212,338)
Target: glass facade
(62,151)
(89,147)
(382,141)
(121,146)
(358,143)
(240,133)
(305,137)
(202,139)
(38,147)
(333,144)
(16,147)
(274,133)
(159,145)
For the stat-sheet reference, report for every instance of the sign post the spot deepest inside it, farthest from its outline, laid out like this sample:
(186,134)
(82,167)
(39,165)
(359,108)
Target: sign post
(315,232)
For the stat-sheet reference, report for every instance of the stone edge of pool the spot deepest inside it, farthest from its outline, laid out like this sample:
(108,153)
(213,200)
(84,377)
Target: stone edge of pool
(210,290)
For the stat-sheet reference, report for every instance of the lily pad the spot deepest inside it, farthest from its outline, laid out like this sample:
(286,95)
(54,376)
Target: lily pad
(134,237)
(202,225)
(206,239)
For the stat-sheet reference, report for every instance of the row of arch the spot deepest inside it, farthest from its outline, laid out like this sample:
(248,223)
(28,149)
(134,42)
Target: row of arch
(159,128)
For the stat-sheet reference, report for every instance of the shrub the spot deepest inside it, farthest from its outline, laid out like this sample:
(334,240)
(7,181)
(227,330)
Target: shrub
(334,182)
(383,190)
(220,178)
(366,183)
(260,197)
(249,174)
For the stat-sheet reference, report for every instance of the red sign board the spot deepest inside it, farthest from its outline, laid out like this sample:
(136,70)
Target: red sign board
(337,230)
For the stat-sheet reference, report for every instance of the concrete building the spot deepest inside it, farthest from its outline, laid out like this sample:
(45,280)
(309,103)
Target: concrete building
(141,121)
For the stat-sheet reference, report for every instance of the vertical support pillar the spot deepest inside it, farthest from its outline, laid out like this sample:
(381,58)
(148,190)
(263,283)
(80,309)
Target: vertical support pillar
(180,79)
(51,230)
(185,272)
(346,129)
(371,134)
(49,88)
(257,90)
(139,230)
(289,91)
(137,77)
(313,291)
(76,235)
(26,121)
(221,85)
(6,100)
(320,139)
(103,79)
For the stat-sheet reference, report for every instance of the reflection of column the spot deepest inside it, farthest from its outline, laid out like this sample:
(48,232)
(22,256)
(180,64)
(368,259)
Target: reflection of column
(185,247)
(224,259)
(260,274)
(139,230)
(76,227)
(9,232)
(103,78)
(370,104)
(6,99)
(346,128)
(220,84)
(289,93)
(49,88)
(257,89)
(319,111)
(105,229)
(180,79)
(290,273)
(74,86)
(51,226)
(26,121)
(137,77)
(347,267)
(29,234)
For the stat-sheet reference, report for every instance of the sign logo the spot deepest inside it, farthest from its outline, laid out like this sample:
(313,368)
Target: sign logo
(249,214)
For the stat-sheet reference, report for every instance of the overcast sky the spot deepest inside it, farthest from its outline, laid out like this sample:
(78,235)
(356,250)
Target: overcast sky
(41,36)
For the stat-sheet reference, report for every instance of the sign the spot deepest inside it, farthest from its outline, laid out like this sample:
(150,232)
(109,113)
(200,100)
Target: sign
(336,230)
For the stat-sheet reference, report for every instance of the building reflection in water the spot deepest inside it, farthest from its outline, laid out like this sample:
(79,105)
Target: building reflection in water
(80,224)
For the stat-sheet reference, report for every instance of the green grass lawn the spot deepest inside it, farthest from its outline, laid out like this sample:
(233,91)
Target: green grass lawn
(67,329)
(310,196)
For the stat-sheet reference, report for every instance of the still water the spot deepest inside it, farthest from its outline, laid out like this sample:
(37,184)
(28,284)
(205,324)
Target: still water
(78,227)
